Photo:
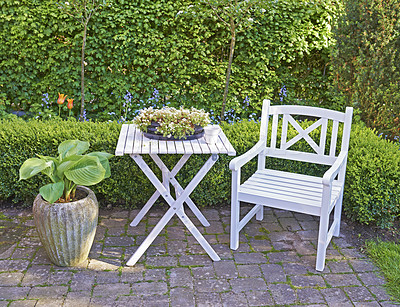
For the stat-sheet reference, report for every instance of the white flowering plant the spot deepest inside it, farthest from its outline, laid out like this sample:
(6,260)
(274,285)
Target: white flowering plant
(175,123)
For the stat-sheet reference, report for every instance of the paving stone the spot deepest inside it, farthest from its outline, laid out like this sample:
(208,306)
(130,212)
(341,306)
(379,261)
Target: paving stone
(158,261)
(310,296)
(205,272)
(283,294)
(258,298)
(340,280)
(149,288)
(82,280)
(155,250)
(155,274)
(182,297)
(77,298)
(102,301)
(248,284)
(49,302)
(290,224)
(260,245)
(389,304)
(366,304)
(225,269)
(249,270)
(37,275)
(111,290)
(119,241)
(50,291)
(104,277)
(60,278)
(234,299)
(6,250)
(25,303)
(296,268)
(24,253)
(249,258)
(116,222)
(308,234)
(308,281)
(351,253)
(13,265)
(288,256)
(282,236)
(371,279)
(132,274)
(335,296)
(10,279)
(304,248)
(155,301)
(112,252)
(380,293)
(211,285)
(186,260)
(101,265)
(339,266)
(273,273)
(223,250)
(360,265)
(180,277)
(358,294)
(129,301)
(282,246)
(13,293)
(41,257)
(204,299)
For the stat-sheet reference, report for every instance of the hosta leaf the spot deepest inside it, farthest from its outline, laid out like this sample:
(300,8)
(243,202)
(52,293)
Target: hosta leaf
(72,147)
(86,171)
(31,167)
(103,157)
(52,192)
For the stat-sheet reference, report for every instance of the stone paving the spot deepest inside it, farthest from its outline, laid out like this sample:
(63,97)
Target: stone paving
(273,266)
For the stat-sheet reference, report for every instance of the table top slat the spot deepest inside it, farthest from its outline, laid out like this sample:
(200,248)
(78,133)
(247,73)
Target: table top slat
(132,141)
(120,149)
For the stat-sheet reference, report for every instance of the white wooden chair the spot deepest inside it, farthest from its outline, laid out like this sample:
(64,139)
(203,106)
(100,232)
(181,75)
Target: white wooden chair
(312,195)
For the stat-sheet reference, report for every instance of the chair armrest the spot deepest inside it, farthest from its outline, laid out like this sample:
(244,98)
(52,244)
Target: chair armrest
(331,173)
(238,162)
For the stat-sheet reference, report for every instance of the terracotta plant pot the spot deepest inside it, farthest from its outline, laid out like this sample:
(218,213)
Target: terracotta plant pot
(67,230)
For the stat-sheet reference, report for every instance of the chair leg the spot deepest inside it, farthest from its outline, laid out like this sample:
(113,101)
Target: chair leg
(322,242)
(337,216)
(235,216)
(260,213)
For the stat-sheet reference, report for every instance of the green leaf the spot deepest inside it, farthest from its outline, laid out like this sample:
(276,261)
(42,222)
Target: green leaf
(103,157)
(86,171)
(52,192)
(31,167)
(72,147)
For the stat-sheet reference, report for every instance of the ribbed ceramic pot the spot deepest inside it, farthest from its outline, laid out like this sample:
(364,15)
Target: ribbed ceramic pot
(67,230)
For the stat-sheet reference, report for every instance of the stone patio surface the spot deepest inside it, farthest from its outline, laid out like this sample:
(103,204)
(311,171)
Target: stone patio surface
(273,266)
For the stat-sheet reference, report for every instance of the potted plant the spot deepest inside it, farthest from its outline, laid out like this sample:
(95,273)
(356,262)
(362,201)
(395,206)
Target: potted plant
(172,124)
(66,211)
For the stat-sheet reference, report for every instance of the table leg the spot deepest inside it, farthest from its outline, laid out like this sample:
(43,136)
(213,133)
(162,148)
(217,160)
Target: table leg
(178,187)
(176,208)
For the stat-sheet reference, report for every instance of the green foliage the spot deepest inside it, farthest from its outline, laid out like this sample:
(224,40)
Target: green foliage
(69,169)
(372,187)
(386,255)
(366,62)
(372,194)
(137,46)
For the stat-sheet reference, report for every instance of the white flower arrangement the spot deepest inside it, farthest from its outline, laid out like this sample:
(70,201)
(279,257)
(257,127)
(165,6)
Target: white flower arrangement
(176,123)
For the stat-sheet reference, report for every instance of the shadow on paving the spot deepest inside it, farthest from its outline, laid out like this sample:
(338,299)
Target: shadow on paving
(274,265)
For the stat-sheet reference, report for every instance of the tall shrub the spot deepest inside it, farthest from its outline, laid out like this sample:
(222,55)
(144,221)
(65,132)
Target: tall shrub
(366,62)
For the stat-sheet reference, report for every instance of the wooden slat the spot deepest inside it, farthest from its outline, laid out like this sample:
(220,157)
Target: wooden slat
(222,137)
(154,147)
(119,151)
(130,139)
(162,147)
(137,145)
(309,111)
(196,147)
(284,131)
(204,146)
(179,147)
(322,140)
(171,147)
(187,145)
(300,156)
(274,130)
(145,145)
(332,150)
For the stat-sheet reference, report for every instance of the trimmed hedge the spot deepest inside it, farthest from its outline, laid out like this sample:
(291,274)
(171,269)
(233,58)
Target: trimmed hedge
(178,47)
(372,189)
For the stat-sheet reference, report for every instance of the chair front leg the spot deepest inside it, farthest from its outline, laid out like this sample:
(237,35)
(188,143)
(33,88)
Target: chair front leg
(235,210)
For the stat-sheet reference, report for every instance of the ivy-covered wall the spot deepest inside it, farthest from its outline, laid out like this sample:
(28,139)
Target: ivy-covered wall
(176,47)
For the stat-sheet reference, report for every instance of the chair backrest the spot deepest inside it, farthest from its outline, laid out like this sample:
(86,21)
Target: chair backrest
(283,117)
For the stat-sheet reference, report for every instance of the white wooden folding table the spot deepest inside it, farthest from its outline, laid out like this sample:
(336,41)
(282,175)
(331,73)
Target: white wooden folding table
(132,142)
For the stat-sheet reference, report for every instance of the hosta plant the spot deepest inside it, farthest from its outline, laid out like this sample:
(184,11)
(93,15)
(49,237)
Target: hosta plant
(71,168)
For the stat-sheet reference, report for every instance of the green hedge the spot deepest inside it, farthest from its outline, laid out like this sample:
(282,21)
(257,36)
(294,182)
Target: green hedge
(177,47)
(371,195)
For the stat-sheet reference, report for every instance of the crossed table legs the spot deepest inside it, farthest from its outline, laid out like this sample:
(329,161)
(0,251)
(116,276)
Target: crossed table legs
(176,205)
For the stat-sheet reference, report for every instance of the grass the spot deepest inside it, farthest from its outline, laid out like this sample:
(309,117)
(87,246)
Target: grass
(386,256)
